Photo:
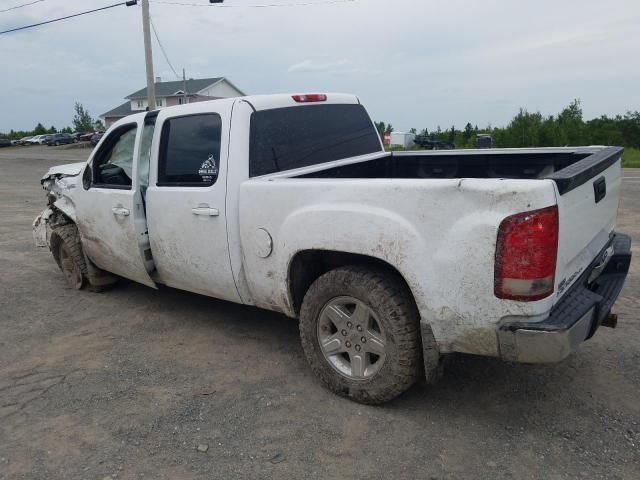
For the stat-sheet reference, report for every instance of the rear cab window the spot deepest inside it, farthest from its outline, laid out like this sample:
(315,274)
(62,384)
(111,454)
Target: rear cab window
(301,136)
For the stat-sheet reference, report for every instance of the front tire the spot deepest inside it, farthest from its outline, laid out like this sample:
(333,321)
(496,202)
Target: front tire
(67,250)
(360,332)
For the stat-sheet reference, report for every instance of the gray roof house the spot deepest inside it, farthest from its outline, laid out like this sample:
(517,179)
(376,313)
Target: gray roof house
(174,93)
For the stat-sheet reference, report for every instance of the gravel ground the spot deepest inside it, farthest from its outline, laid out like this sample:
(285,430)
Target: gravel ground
(136,383)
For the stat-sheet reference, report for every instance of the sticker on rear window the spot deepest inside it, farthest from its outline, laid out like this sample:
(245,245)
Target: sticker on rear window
(208,170)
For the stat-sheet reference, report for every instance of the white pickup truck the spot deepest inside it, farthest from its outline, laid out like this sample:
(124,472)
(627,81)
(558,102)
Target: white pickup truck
(391,261)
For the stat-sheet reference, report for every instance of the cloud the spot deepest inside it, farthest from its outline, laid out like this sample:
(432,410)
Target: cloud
(443,62)
(314,66)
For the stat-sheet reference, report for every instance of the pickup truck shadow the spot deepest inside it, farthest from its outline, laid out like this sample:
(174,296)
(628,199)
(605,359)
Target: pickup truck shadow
(477,386)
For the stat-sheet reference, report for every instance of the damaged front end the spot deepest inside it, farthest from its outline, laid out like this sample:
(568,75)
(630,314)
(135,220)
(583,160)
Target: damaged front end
(60,183)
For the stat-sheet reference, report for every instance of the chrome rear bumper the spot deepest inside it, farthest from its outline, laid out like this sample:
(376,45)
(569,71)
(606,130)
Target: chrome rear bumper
(576,317)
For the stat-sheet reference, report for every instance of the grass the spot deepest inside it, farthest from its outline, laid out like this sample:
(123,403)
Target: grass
(631,158)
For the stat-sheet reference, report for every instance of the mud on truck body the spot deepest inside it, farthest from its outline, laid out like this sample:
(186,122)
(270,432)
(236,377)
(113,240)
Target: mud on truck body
(391,261)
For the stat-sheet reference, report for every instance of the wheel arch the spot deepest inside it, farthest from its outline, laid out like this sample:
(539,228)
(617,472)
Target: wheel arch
(306,266)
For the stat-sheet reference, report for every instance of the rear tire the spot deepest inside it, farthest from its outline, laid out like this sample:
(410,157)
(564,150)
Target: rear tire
(360,332)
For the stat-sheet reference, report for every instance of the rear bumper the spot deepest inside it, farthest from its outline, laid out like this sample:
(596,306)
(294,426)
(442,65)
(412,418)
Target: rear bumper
(576,317)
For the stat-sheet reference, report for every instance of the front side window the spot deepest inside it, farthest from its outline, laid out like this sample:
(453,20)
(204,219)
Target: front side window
(113,164)
(190,150)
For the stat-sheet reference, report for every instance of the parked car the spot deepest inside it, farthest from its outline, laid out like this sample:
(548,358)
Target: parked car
(430,144)
(23,141)
(390,260)
(60,139)
(5,142)
(85,137)
(96,138)
(484,140)
(39,139)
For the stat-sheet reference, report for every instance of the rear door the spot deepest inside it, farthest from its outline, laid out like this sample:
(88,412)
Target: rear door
(110,211)
(186,201)
(588,197)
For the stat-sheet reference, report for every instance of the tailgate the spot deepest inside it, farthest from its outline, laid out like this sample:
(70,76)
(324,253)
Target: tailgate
(589,193)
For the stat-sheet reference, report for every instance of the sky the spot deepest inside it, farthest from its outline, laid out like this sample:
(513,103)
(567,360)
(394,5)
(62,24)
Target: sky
(413,63)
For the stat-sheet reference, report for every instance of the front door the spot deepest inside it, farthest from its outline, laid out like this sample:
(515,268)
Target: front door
(186,211)
(112,218)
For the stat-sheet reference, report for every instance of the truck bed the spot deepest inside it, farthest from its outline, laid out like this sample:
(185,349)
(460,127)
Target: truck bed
(538,163)
(435,216)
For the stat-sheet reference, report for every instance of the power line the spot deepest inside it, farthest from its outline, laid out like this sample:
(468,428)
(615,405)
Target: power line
(127,3)
(20,6)
(267,5)
(166,57)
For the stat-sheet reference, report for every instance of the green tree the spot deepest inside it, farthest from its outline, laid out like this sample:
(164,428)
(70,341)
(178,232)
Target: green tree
(99,125)
(381,127)
(82,121)
(52,129)
(39,130)
(468,132)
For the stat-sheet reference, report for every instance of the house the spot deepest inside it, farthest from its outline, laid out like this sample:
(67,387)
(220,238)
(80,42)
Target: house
(174,93)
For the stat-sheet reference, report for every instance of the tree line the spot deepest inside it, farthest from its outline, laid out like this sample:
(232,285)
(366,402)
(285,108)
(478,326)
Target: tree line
(532,129)
(82,122)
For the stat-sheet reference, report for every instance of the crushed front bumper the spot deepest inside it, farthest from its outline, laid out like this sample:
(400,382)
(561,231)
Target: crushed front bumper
(576,317)
(41,230)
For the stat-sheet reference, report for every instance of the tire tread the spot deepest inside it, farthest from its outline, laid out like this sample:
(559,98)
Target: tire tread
(401,322)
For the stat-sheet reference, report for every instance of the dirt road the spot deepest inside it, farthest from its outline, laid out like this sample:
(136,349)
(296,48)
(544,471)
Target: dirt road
(128,384)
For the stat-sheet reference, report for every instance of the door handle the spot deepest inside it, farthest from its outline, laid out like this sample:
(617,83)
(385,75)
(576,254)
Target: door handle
(209,212)
(121,211)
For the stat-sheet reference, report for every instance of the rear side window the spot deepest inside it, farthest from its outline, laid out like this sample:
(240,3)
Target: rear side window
(190,150)
(294,137)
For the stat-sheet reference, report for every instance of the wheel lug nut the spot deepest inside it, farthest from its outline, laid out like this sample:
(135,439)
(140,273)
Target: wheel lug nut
(349,324)
(358,348)
(359,327)
(348,344)
(363,340)
(344,333)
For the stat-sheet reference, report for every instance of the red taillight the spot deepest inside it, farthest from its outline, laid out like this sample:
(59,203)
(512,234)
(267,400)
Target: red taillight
(310,97)
(526,255)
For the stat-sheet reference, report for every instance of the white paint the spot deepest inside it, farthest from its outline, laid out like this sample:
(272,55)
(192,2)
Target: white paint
(190,251)
(440,234)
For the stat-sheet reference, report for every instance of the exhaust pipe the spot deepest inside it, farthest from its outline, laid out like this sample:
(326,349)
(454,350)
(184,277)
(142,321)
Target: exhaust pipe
(610,321)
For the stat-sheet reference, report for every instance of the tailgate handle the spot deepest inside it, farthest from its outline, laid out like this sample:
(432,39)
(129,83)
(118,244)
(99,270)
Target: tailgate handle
(600,189)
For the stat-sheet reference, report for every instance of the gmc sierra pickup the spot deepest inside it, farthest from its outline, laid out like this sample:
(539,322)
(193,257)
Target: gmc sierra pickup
(391,261)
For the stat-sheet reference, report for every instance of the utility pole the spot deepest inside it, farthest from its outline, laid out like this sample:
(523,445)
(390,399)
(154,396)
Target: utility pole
(148,57)
(184,88)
